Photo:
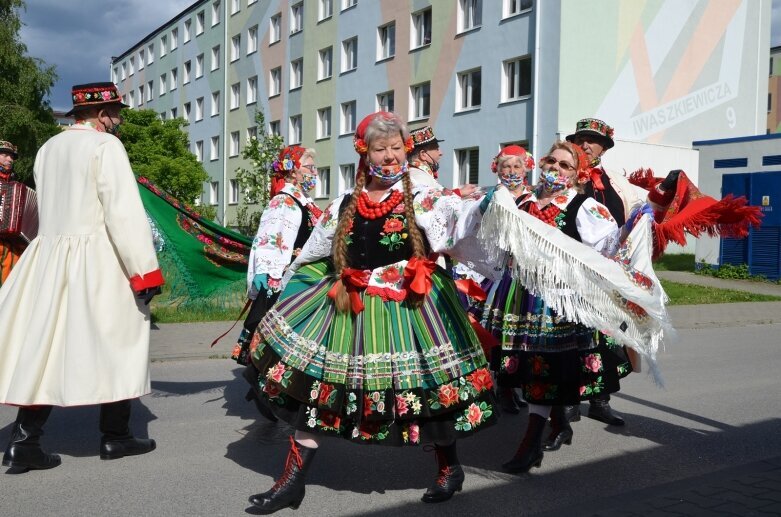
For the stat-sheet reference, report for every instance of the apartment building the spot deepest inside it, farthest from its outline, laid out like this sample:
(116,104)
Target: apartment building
(483,73)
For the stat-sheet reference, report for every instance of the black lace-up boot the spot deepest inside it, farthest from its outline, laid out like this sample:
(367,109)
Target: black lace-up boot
(450,476)
(289,490)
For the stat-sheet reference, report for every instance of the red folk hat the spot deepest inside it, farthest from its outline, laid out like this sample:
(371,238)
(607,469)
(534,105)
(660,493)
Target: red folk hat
(594,127)
(514,150)
(95,94)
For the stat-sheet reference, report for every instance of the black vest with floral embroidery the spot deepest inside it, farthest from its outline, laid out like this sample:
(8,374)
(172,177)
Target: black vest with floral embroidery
(378,242)
(304,229)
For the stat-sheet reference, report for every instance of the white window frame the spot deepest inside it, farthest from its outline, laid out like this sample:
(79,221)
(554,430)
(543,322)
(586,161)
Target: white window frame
(235,98)
(252,132)
(140,100)
(215,63)
(200,22)
(296,18)
(275,128)
(275,28)
(214,192)
(215,105)
(234,144)
(199,66)
(131,99)
(275,81)
(466,84)
(174,38)
(323,186)
(123,70)
(464,159)
(512,79)
(186,71)
(346,4)
(349,54)
(347,118)
(386,41)
(346,177)
(141,62)
(418,24)
(174,79)
(235,6)
(515,7)
(216,13)
(214,148)
(187,111)
(252,89)
(325,9)
(233,192)
(325,63)
(252,40)
(172,113)
(469,15)
(324,123)
(235,47)
(131,65)
(187,36)
(163,45)
(150,90)
(199,150)
(295,130)
(199,109)
(150,54)
(383,99)
(418,101)
(296,73)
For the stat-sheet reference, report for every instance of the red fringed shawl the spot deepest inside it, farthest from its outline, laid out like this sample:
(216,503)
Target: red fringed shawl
(694,213)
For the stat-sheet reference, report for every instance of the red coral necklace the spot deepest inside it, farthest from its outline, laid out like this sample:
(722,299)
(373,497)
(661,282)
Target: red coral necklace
(373,210)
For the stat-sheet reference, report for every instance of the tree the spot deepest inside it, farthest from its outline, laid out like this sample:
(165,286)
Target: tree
(160,150)
(26,118)
(261,152)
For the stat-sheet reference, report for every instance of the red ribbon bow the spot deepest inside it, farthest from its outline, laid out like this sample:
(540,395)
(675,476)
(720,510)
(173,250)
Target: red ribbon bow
(596,178)
(418,273)
(354,280)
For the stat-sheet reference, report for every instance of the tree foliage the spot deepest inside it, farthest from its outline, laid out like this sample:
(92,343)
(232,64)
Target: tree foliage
(160,150)
(26,118)
(261,152)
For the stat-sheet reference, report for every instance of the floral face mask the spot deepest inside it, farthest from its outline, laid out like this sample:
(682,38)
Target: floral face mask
(388,174)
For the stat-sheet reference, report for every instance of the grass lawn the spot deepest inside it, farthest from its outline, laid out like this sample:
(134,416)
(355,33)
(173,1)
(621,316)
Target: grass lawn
(689,294)
(682,262)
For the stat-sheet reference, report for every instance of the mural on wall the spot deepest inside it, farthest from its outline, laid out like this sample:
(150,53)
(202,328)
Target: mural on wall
(667,71)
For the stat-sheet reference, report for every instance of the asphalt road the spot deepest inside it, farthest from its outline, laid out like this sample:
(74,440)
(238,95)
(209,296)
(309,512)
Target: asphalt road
(716,419)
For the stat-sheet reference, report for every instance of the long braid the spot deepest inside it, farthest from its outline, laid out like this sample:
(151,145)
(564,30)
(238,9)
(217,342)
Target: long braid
(339,250)
(418,244)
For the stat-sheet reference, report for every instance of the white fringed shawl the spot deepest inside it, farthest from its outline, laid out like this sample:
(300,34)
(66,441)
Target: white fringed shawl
(621,296)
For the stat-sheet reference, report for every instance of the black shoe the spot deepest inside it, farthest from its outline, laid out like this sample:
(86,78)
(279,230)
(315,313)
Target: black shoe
(24,449)
(599,409)
(289,490)
(556,440)
(112,449)
(529,453)
(450,476)
(572,413)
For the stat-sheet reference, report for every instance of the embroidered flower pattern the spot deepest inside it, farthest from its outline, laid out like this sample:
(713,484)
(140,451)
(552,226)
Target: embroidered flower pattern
(600,212)
(322,393)
(539,391)
(592,363)
(406,402)
(392,235)
(373,402)
(473,416)
(411,433)
(510,363)
(280,374)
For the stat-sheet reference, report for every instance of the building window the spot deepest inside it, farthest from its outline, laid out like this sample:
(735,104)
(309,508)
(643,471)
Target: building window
(150,88)
(131,65)
(140,59)
(163,44)
(323,186)
(174,78)
(235,6)
(161,115)
(346,176)
(275,128)
(150,54)
(295,130)
(235,95)
(467,164)
(233,192)
(421,28)
(214,148)
(347,118)
(386,41)
(324,122)
(769,101)
(386,101)
(235,47)
(517,78)
(234,144)
(199,23)
(296,73)
(275,29)
(130,99)
(513,7)
(252,89)
(199,150)
(349,54)
(215,104)
(325,63)
(326,9)
(140,100)
(186,72)
(215,58)
(252,39)
(214,192)
(173,113)
(124,71)
(215,13)
(174,38)
(252,133)
(297,18)
(250,2)
(199,109)
(470,14)
(187,30)
(275,82)
(420,107)
(468,93)
(186,111)
(199,66)
(346,4)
